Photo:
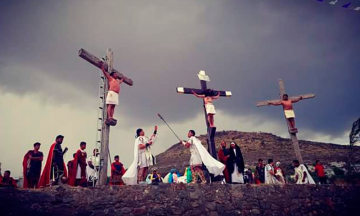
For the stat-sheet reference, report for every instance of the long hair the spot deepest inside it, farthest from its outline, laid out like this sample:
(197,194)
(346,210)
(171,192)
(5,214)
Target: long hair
(138,131)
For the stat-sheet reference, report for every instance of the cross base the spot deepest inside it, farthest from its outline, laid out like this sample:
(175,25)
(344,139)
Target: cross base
(293,131)
(111,122)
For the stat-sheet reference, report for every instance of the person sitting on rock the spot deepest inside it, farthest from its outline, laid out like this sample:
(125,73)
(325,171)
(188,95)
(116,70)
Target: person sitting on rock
(7,180)
(117,171)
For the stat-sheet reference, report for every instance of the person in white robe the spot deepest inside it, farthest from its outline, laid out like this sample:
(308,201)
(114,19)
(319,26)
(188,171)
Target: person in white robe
(302,175)
(270,173)
(143,158)
(279,173)
(93,167)
(235,164)
(200,155)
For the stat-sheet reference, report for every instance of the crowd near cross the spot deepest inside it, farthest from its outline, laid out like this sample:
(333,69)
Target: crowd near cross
(86,170)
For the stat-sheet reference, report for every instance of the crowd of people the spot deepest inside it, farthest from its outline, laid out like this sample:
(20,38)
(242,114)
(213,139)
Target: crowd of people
(83,170)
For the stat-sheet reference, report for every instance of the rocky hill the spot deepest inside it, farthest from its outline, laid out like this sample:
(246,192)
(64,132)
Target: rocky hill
(259,145)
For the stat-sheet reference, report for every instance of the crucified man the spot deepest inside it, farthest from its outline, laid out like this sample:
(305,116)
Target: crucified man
(288,109)
(209,97)
(112,98)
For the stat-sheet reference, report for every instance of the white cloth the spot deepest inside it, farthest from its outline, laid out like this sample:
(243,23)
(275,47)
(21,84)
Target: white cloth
(213,166)
(92,173)
(279,176)
(210,108)
(195,158)
(289,113)
(270,179)
(112,98)
(130,176)
(299,173)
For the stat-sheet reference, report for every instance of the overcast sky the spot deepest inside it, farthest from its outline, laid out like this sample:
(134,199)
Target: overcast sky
(243,45)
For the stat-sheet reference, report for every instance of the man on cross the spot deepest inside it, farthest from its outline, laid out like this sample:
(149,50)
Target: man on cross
(209,96)
(288,109)
(112,98)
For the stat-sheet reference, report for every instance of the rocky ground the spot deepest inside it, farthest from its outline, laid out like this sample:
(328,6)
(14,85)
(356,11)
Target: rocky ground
(180,199)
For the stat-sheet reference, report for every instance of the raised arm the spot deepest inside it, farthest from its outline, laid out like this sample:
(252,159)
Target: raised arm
(106,74)
(122,80)
(297,99)
(216,97)
(198,96)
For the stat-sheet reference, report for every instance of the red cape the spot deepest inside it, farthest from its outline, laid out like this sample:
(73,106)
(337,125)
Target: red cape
(72,177)
(114,169)
(45,176)
(25,163)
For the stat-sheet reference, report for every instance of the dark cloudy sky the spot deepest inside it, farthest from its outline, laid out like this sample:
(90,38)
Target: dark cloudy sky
(244,46)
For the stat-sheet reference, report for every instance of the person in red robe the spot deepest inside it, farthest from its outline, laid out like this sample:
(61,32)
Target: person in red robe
(55,168)
(32,167)
(117,171)
(7,180)
(70,166)
(223,155)
(78,172)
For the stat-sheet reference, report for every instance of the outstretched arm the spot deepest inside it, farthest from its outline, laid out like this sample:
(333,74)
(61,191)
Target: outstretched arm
(122,80)
(277,103)
(198,96)
(297,99)
(216,97)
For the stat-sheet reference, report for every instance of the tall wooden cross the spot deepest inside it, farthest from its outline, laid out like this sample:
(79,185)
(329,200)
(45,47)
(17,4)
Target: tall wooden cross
(210,130)
(291,132)
(105,130)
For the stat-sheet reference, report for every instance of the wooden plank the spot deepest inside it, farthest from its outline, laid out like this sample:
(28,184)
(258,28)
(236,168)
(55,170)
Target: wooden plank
(182,90)
(265,103)
(97,62)
(296,148)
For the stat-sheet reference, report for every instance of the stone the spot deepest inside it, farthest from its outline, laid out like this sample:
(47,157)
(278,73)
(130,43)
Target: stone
(210,206)
(213,213)
(139,211)
(255,211)
(126,210)
(176,210)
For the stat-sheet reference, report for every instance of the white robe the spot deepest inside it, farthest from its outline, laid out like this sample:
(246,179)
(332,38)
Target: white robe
(93,173)
(270,179)
(130,176)
(214,167)
(299,172)
(237,177)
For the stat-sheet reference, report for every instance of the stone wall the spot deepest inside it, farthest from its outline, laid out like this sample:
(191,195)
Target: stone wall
(166,199)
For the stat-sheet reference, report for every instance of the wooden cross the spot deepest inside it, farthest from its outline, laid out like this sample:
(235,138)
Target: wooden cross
(210,130)
(292,133)
(105,130)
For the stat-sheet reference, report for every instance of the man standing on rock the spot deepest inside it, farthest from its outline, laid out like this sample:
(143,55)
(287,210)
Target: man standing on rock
(200,155)
(143,158)
(55,167)
(32,167)
(93,167)
(302,175)
(79,170)
(223,155)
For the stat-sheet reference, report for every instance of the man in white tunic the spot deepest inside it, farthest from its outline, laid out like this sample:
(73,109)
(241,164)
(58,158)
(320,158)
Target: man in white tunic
(270,173)
(143,158)
(236,164)
(93,167)
(200,155)
(302,175)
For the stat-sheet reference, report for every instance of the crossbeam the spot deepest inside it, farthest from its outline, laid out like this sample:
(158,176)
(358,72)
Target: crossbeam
(183,90)
(266,103)
(97,63)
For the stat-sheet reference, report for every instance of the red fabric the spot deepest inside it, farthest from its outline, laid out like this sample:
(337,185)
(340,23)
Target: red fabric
(114,169)
(319,169)
(45,177)
(25,163)
(12,182)
(223,160)
(76,161)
